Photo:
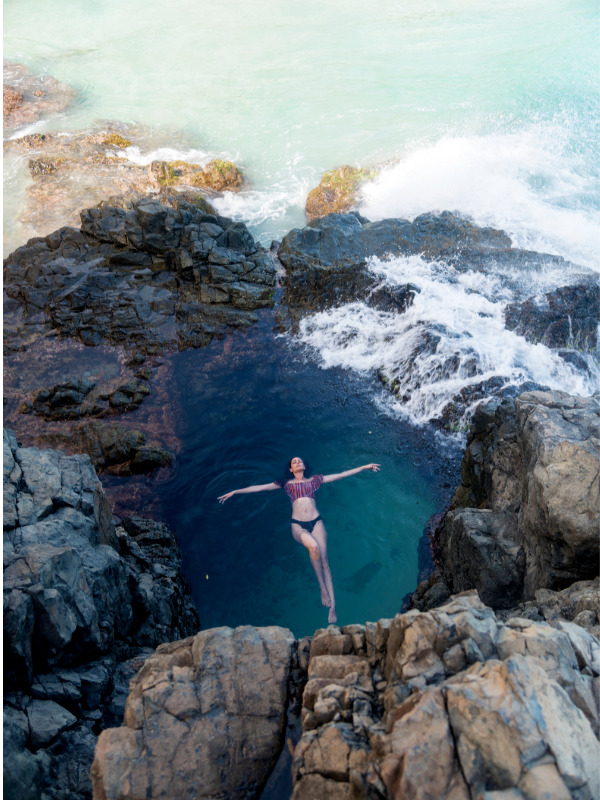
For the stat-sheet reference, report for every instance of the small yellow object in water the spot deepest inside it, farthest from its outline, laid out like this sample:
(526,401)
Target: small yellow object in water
(207,577)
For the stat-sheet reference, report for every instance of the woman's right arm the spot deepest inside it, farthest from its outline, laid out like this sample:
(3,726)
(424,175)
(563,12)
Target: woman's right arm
(265,487)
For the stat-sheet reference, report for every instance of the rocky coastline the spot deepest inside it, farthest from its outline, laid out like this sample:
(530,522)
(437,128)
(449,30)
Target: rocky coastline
(504,693)
(488,686)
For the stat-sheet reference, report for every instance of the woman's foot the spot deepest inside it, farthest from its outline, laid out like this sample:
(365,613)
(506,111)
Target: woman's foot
(325,599)
(332,615)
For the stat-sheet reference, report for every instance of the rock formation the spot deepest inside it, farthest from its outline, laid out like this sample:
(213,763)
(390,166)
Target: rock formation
(446,703)
(526,516)
(449,703)
(76,170)
(146,276)
(205,718)
(85,602)
(338,191)
(28,97)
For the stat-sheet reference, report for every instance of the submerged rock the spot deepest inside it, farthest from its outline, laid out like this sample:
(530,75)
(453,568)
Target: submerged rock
(28,97)
(338,191)
(72,171)
(527,514)
(84,601)
(147,276)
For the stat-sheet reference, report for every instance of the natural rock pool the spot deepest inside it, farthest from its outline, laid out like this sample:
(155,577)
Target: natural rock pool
(247,404)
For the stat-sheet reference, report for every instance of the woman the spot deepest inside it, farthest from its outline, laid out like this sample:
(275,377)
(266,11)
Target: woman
(307,526)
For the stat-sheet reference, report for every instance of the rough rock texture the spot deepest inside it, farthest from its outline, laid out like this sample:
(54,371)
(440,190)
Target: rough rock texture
(338,191)
(84,601)
(74,170)
(565,318)
(27,97)
(146,276)
(336,260)
(450,704)
(205,718)
(527,514)
(114,448)
(76,399)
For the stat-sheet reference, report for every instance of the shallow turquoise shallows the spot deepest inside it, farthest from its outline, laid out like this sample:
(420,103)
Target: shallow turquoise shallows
(489,108)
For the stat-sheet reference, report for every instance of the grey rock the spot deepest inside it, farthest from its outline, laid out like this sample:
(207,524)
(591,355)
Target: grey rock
(46,720)
(532,471)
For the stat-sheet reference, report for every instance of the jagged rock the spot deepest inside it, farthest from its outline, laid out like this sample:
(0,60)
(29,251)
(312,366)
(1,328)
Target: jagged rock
(534,465)
(338,191)
(469,706)
(80,598)
(205,717)
(147,277)
(565,317)
(482,549)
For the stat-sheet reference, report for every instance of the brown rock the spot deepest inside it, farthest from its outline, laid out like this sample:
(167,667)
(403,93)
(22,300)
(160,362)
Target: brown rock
(337,192)
(205,719)
(11,98)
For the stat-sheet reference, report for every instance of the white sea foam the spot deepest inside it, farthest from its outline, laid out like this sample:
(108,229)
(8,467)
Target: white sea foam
(449,342)
(527,183)
(136,156)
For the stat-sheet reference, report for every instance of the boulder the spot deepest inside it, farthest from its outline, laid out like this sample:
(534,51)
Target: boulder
(338,191)
(564,318)
(530,482)
(205,718)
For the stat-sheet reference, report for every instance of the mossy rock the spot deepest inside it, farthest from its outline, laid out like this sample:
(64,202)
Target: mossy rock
(217,175)
(45,166)
(221,176)
(338,191)
(116,140)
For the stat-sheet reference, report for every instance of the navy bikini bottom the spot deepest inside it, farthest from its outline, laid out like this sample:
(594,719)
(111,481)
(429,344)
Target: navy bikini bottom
(308,524)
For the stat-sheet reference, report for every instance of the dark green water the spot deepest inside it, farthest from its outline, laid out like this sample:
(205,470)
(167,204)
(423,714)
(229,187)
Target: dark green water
(252,402)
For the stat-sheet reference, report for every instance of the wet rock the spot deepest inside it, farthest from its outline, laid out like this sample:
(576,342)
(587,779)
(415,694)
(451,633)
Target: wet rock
(205,717)
(148,277)
(11,99)
(338,191)
(28,97)
(566,317)
(534,465)
(115,448)
(83,602)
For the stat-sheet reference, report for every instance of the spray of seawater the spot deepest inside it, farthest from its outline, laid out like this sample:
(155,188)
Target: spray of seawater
(449,351)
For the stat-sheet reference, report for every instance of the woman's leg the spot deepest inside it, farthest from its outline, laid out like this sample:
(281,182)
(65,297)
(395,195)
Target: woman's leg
(304,538)
(320,536)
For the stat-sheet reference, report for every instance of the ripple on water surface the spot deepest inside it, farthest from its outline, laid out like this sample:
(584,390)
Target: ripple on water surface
(250,403)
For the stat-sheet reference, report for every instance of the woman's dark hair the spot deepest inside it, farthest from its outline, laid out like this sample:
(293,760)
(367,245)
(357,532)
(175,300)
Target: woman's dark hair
(288,475)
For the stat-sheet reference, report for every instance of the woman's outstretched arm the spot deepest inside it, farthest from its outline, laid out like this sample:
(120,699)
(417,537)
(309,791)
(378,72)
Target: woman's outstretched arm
(348,472)
(265,487)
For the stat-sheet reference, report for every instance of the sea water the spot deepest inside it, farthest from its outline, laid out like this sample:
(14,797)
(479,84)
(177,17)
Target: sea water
(487,109)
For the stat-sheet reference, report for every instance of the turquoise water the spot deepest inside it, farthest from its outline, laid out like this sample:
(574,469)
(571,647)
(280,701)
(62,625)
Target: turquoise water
(488,108)
(483,108)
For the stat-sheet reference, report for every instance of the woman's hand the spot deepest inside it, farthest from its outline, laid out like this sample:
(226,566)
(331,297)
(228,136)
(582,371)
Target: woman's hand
(226,496)
(374,467)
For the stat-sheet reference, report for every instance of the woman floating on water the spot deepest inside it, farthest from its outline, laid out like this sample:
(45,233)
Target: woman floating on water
(307,526)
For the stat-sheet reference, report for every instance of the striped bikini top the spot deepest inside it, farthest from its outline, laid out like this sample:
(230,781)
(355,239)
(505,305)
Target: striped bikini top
(304,489)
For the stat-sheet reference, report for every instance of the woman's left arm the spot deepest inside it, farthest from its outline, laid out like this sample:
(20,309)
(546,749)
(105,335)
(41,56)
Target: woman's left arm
(348,472)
